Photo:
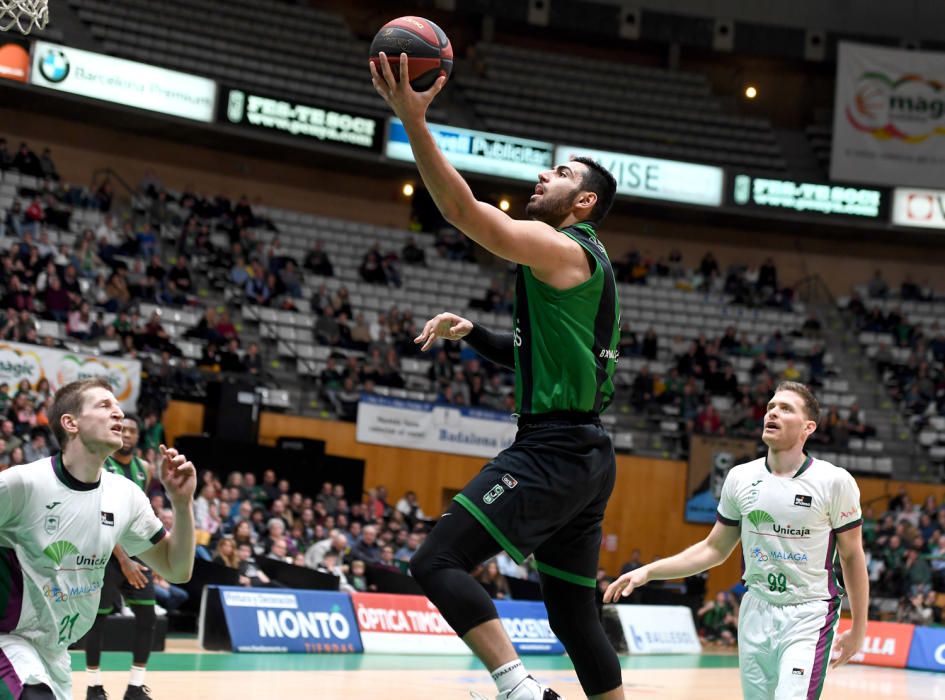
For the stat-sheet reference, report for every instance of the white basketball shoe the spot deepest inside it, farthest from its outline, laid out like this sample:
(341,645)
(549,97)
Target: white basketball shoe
(528,689)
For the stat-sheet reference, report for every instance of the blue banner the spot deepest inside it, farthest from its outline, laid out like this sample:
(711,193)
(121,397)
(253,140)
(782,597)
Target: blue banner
(526,623)
(928,649)
(290,620)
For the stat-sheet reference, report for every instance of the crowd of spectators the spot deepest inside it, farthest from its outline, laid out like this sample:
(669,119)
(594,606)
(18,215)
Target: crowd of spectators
(905,554)
(917,382)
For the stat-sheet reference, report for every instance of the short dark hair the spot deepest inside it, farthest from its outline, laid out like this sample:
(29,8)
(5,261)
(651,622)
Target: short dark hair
(135,418)
(68,400)
(598,179)
(811,405)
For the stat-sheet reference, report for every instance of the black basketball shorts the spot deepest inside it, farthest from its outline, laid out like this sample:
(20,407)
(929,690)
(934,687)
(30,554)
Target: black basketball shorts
(546,495)
(116,589)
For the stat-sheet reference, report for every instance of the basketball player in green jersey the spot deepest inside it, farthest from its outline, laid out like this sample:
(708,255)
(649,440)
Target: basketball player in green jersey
(544,495)
(126,580)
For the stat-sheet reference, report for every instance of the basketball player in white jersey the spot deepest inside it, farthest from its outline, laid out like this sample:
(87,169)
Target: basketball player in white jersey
(794,515)
(60,519)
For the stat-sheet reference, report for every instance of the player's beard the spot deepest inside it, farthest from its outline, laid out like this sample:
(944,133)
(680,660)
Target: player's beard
(551,209)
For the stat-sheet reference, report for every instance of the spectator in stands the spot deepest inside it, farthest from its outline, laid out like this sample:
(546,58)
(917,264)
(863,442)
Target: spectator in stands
(252,361)
(56,299)
(410,547)
(708,421)
(718,619)
(79,323)
(641,392)
(249,572)
(26,162)
(37,448)
(47,166)
(494,582)
(372,268)
(413,254)
(6,159)
(225,553)
(358,579)
(366,548)
(877,287)
(167,595)
(13,220)
(632,564)
(649,348)
(317,261)
(34,216)
(410,507)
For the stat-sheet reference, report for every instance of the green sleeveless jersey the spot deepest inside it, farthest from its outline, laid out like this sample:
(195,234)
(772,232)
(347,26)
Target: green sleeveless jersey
(136,471)
(566,340)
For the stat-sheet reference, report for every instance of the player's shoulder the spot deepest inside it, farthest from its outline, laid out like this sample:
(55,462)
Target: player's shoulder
(822,470)
(747,470)
(37,471)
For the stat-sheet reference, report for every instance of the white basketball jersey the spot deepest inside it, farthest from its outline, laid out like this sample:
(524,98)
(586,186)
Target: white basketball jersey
(789,527)
(56,535)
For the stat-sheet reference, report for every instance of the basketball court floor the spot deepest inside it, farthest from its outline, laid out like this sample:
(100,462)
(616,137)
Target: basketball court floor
(186,673)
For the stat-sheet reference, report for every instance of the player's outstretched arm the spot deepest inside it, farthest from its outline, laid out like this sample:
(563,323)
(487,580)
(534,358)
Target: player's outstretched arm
(857,582)
(173,557)
(531,243)
(497,347)
(711,551)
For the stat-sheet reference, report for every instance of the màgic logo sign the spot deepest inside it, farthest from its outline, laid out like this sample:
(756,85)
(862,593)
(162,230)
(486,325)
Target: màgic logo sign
(492,494)
(803,501)
(55,65)
(907,107)
(762,519)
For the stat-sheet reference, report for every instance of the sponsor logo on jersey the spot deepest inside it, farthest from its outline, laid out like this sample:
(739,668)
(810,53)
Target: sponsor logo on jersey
(758,554)
(798,671)
(108,519)
(52,505)
(762,520)
(493,494)
(803,501)
(609,354)
(57,594)
(51,524)
(844,514)
(509,481)
(60,550)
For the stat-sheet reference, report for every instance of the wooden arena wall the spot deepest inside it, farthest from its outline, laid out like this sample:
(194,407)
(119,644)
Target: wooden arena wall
(645,511)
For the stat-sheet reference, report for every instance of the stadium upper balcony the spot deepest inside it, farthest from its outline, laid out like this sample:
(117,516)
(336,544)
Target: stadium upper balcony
(615,106)
(279,49)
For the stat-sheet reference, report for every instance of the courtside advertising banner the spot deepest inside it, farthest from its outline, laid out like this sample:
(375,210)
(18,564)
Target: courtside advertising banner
(14,60)
(437,428)
(404,624)
(928,649)
(318,123)
(122,82)
(921,208)
(885,644)
(19,361)
(654,178)
(526,623)
(290,620)
(659,629)
(889,116)
(807,197)
(477,151)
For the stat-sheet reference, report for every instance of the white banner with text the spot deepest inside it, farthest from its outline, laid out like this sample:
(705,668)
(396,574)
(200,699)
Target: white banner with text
(433,427)
(19,361)
(889,116)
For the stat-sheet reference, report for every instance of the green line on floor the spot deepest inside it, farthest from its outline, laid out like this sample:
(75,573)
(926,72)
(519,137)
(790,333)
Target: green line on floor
(121,661)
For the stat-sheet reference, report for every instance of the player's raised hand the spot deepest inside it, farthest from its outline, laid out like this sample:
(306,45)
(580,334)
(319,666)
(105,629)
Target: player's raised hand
(845,647)
(626,584)
(406,102)
(178,475)
(445,325)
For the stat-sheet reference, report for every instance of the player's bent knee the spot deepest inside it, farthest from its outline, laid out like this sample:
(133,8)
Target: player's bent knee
(37,692)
